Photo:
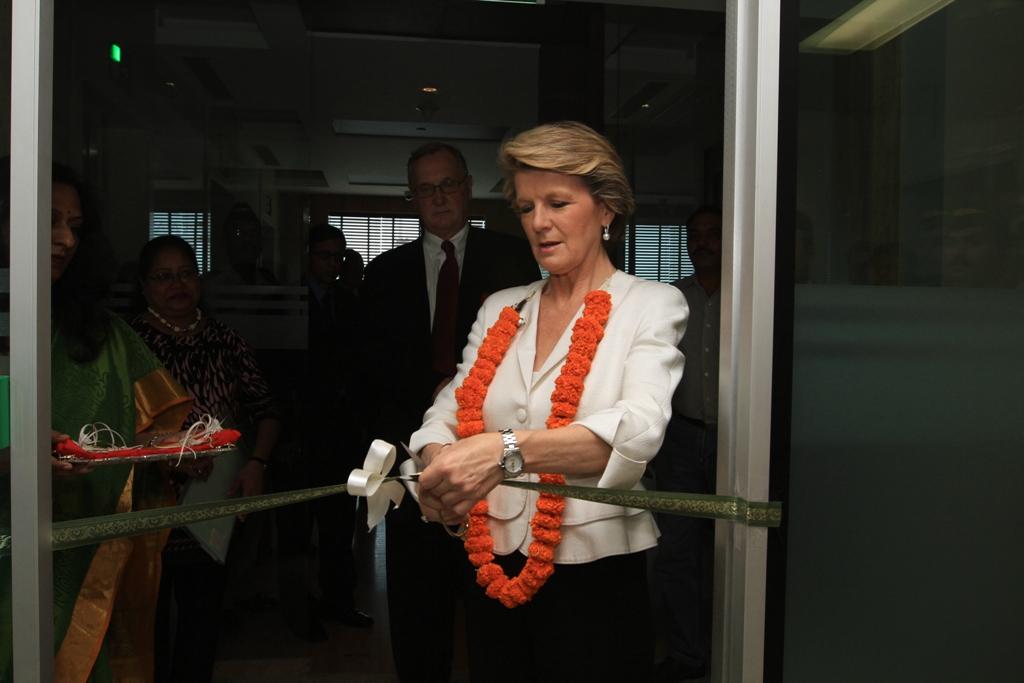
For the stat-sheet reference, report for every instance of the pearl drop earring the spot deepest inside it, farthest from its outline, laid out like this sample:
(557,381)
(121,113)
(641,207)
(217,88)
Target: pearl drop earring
(605,232)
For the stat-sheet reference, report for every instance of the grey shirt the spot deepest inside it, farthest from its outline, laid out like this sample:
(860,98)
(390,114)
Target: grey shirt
(696,397)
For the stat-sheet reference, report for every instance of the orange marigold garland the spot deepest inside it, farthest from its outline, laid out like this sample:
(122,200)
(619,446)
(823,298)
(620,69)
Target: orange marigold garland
(565,400)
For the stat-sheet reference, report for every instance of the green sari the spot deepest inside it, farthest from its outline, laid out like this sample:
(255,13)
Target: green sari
(126,388)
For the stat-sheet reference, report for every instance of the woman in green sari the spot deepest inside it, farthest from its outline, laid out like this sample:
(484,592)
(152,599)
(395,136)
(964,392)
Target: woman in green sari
(103,594)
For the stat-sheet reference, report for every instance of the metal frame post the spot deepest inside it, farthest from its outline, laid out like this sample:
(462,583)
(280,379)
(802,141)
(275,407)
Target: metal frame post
(31,511)
(748,283)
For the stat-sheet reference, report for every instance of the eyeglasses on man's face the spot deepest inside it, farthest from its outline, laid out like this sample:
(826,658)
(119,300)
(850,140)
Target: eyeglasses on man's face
(165,277)
(427,190)
(326,255)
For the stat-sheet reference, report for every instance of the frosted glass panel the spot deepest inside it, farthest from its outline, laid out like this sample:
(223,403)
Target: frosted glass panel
(905,552)
(904,531)
(910,155)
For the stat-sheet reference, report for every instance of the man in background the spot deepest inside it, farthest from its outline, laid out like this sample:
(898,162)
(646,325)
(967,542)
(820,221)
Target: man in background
(331,438)
(688,458)
(420,300)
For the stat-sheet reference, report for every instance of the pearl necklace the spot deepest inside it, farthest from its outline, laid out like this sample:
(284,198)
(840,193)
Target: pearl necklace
(175,328)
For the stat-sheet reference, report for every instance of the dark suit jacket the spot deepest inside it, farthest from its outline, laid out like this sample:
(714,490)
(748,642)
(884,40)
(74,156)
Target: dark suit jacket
(332,344)
(330,426)
(399,379)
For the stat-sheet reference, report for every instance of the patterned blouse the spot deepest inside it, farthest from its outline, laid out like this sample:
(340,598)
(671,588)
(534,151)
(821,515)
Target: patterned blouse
(217,367)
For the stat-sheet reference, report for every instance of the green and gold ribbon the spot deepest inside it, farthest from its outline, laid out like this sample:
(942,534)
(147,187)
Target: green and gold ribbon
(89,530)
(729,508)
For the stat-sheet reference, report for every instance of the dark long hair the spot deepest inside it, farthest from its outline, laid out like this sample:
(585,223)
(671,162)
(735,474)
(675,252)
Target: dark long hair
(84,284)
(76,297)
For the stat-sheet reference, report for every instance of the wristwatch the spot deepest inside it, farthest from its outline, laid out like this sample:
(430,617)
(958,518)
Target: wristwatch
(511,461)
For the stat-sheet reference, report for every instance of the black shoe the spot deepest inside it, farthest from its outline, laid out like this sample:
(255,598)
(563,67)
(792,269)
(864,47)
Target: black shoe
(670,670)
(349,616)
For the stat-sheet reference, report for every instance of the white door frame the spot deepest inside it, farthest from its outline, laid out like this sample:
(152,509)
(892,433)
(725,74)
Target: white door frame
(31,507)
(748,309)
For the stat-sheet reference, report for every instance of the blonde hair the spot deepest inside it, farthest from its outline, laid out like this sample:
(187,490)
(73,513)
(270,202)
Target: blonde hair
(571,148)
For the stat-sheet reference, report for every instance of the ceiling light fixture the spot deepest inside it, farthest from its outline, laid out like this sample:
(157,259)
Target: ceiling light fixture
(429,89)
(645,105)
(870,24)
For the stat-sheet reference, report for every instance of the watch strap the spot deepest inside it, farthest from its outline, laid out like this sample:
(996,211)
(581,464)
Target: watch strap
(508,440)
(510,445)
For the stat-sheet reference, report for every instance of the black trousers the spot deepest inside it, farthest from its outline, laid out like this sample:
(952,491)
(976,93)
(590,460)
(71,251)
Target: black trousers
(195,583)
(684,567)
(589,622)
(321,463)
(426,575)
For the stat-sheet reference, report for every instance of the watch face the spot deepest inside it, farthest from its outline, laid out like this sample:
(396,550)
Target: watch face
(513,463)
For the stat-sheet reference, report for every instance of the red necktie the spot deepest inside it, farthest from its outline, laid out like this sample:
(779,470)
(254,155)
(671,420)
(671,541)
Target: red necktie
(445,306)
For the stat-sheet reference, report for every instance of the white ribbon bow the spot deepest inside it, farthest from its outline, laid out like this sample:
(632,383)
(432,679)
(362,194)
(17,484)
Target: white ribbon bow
(370,481)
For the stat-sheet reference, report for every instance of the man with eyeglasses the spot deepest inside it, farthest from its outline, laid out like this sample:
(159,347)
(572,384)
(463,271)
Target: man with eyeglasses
(420,300)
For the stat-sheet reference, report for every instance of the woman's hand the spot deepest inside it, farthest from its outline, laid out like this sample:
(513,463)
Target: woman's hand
(429,451)
(249,482)
(458,476)
(63,468)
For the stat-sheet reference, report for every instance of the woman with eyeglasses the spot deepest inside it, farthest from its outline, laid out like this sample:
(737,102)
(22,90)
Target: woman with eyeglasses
(217,367)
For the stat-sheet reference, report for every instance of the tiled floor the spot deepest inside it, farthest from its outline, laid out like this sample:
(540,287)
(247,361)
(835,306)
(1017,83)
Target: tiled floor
(257,646)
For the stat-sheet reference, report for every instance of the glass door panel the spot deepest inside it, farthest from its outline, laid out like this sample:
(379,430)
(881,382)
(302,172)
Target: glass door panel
(909,320)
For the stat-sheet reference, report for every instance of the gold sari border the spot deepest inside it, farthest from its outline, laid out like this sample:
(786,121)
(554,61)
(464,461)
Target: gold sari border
(160,402)
(94,606)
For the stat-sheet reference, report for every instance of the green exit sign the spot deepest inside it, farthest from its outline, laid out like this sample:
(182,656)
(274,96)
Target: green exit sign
(115,53)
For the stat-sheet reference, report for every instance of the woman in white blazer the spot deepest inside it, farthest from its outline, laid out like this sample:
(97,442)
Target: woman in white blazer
(569,587)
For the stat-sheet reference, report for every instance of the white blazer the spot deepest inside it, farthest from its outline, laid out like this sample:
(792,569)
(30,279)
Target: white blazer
(627,402)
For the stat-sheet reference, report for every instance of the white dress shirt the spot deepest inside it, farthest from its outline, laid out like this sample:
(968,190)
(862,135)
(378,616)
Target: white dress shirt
(626,403)
(433,258)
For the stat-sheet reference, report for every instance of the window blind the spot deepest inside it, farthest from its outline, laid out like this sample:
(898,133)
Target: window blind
(371,236)
(657,252)
(190,226)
